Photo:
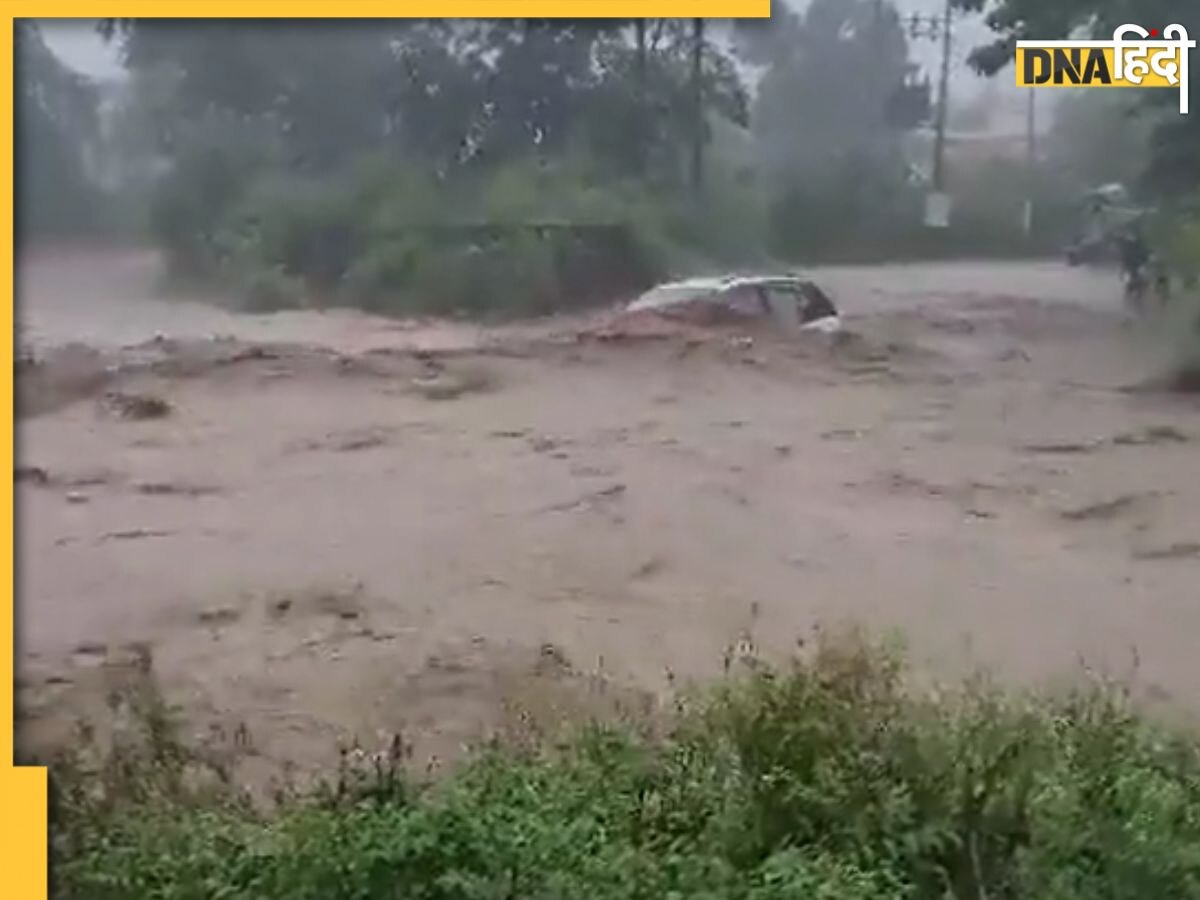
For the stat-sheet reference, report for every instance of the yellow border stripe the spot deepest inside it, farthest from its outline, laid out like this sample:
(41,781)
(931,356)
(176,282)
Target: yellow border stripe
(6,372)
(452,9)
(23,833)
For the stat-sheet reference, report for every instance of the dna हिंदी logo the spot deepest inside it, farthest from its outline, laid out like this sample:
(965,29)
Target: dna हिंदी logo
(1134,58)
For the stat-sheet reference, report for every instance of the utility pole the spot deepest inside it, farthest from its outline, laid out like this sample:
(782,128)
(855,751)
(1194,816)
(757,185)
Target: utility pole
(937,204)
(939,138)
(877,36)
(643,106)
(698,101)
(1030,160)
(640,30)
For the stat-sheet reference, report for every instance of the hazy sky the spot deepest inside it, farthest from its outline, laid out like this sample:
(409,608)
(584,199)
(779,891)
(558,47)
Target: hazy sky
(76,43)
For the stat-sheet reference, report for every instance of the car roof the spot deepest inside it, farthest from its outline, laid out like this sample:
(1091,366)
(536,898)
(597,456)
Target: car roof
(673,292)
(728,282)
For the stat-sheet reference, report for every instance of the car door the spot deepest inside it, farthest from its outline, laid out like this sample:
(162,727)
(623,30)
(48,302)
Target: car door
(743,301)
(814,304)
(784,303)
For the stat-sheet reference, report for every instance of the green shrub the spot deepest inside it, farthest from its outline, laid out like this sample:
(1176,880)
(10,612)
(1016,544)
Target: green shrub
(529,237)
(399,241)
(856,211)
(828,779)
(1175,236)
(1179,239)
(383,277)
(190,203)
(309,229)
(271,290)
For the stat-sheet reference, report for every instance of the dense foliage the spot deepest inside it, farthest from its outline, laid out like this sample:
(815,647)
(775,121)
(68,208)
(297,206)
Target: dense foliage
(830,779)
(1174,161)
(698,148)
(437,165)
(277,157)
(55,120)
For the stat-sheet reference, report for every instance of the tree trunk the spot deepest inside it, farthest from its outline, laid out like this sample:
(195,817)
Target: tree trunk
(640,26)
(642,124)
(698,103)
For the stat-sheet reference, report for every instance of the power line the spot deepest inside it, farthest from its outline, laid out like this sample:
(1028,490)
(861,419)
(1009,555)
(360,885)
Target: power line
(937,28)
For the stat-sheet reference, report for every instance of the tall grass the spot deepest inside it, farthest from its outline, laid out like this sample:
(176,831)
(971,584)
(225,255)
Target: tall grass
(832,778)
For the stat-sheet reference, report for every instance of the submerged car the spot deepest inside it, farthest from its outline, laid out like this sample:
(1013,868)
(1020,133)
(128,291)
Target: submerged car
(792,302)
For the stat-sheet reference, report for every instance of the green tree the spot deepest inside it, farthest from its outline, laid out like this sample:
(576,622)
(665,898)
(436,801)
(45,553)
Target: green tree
(643,117)
(1097,137)
(825,120)
(452,91)
(324,92)
(1172,163)
(266,131)
(829,82)
(55,120)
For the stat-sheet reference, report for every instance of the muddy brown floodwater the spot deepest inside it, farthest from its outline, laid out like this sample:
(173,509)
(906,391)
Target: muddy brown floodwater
(332,537)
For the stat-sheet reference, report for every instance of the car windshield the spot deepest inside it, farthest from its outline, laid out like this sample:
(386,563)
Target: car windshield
(671,294)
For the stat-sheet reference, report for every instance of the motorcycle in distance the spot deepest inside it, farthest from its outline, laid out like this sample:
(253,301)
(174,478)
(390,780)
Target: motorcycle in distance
(1141,270)
(1140,279)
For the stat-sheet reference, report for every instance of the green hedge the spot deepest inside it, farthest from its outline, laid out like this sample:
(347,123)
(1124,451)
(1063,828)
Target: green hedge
(830,779)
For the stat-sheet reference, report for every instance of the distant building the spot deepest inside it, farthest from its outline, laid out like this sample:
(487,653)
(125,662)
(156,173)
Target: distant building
(1001,134)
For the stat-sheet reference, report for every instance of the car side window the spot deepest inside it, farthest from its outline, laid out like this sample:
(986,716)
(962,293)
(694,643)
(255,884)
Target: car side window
(778,293)
(785,304)
(814,304)
(745,301)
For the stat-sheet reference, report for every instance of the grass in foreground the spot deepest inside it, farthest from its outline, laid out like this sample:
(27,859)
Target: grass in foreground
(830,780)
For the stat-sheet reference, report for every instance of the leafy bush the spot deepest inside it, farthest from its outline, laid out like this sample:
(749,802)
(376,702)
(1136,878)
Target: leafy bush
(857,210)
(829,779)
(190,202)
(540,234)
(308,229)
(393,238)
(1174,232)
(845,204)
